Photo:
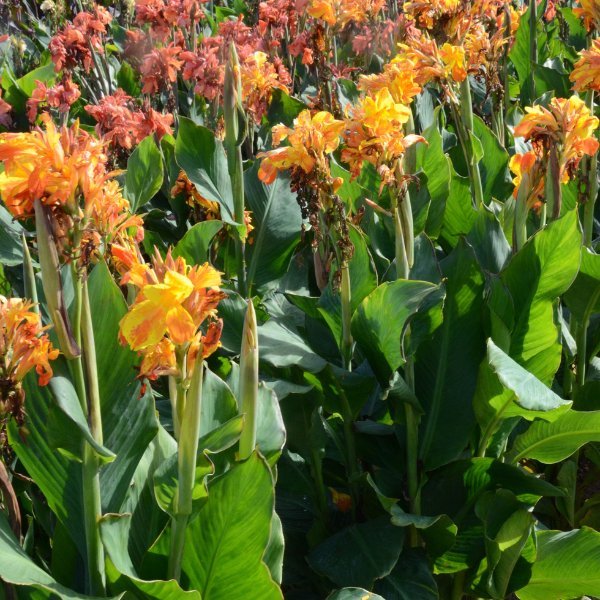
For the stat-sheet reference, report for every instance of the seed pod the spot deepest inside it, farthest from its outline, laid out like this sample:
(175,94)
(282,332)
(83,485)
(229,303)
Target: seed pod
(52,283)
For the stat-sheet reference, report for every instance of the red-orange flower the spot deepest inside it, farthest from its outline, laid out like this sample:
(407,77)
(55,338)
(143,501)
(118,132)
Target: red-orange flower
(159,67)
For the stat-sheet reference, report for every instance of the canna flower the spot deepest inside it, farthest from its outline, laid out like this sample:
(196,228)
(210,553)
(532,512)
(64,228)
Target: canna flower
(397,77)
(311,139)
(60,96)
(173,302)
(568,126)
(530,164)
(159,67)
(429,12)
(586,74)
(341,12)
(590,13)
(453,58)
(374,134)
(22,348)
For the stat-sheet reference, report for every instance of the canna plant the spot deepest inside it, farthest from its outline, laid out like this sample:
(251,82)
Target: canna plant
(277,322)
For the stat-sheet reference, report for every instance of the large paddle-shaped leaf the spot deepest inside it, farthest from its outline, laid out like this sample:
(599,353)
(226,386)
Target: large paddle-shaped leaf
(277,222)
(552,442)
(539,273)
(378,323)
(194,245)
(567,566)
(505,389)
(583,297)
(446,366)
(18,568)
(144,174)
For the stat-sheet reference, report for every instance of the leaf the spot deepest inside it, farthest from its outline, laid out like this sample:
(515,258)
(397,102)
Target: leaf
(583,297)
(438,533)
(166,477)
(379,322)
(507,527)
(567,566)
(489,242)
(120,572)
(277,222)
(213,562)
(359,554)
(493,167)
(270,433)
(218,403)
(552,442)
(353,594)
(273,556)
(438,170)
(11,247)
(550,260)
(409,580)
(144,174)
(126,80)
(195,244)
(363,280)
(446,366)
(200,154)
(17,568)
(505,390)
(460,215)
(284,109)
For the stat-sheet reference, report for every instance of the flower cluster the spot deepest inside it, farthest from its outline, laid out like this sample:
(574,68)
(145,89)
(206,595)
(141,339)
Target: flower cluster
(22,348)
(567,127)
(586,74)
(172,304)
(121,126)
(72,46)
(60,96)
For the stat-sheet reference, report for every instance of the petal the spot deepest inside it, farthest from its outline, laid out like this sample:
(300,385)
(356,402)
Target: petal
(180,325)
(144,325)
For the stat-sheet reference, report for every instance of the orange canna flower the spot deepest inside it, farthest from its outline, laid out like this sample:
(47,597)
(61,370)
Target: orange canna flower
(398,77)
(453,58)
(311,139)
(590,13)
(586,74)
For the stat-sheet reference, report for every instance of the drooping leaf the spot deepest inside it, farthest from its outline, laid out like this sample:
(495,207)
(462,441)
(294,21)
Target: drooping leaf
(583,297)
(195,244)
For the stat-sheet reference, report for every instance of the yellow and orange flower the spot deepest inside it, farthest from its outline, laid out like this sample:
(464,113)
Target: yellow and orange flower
(311,140)
(58,167)
(589,11)
(586,74)
(173,301)
(531,165)
(341,12)
(398,77)
(453,58)
(568,124)
(428,12)
(21,346)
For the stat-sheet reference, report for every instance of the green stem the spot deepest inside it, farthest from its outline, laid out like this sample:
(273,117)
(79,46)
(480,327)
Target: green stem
(402,268)
(29,277)
(533,44)
(320,488)
(346,299)
(410,156)
(237,180)
(350,439)
(591,170)
(458,585)
(186,460)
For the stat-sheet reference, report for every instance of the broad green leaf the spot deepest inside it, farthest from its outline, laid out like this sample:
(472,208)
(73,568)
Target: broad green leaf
(129,422)
(120,572)
(489,242)
(195,244)
(583,297)
(552,442)
(200,154)
(166,483)
(493,167)
(378,323)
(277,222)
(438,533)
(126,80)
(144,174)
(17,568)
(548,79)
(353,594)
(505,390)
(543,270)
(59,479)
(363,280)
(270,434)
(567,566)
(507,527)
(438,170)
(237,516)
(460,215)
(148,520)
(409,580)
(284,109)
(273,556)
(446,366)
(11,247)
(359,554)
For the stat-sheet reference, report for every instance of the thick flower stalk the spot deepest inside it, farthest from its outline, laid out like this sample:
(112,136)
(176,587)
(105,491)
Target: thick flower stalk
(561,136)
(164,325)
